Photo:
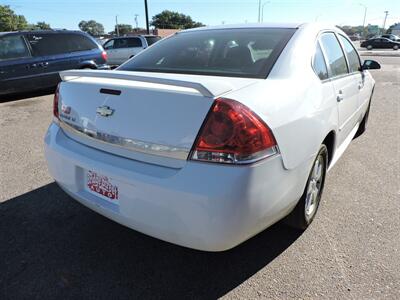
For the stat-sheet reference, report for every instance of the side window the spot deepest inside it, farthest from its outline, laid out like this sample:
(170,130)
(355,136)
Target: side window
(334,53)
(120,43)
(12,47)
(48,44)
(134,42)
(152,39)
(319,64)
(78,42)
(351,53)
(109,45)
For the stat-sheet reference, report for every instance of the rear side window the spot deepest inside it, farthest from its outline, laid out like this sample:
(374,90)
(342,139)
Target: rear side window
(53,43)
(134,42)
(319,64)
(351,53)
(47,44)
(78,42)
(12,47)
(127,43)
(248,53)
(334,53)
(152,39)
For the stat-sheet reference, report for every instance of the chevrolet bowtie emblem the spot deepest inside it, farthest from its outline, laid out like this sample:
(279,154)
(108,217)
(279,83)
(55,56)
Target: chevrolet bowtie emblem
(104,111)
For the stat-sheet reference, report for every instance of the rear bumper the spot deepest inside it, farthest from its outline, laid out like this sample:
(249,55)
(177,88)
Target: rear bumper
(202,206)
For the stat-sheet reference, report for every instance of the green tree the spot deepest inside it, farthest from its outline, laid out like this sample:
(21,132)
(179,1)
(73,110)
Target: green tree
(43,25)
(39,26)
(92,27)
(173,20)
(9,21)
(123,29)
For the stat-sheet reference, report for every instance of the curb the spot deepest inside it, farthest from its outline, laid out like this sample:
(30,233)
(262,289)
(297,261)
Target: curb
(371,53)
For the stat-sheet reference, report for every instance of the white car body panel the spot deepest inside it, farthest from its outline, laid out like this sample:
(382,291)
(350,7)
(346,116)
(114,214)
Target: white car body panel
(205,206)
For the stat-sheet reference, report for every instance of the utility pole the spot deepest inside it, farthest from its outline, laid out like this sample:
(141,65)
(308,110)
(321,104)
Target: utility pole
(116,25)
(147,17)
(136,21)
(384,21)
(365,16)
(259,11)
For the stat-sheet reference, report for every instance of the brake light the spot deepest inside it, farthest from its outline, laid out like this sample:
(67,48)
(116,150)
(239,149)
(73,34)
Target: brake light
(104,55)
(234,134)
(55,102)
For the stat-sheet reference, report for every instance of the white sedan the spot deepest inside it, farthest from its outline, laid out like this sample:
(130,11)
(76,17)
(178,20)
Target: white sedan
(212,135)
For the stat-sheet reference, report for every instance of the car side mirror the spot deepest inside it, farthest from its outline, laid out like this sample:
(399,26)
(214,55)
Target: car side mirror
(370,65)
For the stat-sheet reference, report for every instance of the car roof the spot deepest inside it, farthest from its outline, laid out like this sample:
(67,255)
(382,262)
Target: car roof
(41,31)
(133,36)
(312,26)
(247,25)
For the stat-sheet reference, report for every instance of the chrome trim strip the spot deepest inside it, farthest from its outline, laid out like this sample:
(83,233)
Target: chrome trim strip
(127,143)
(261,155)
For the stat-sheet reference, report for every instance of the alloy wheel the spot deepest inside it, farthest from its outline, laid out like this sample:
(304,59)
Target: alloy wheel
(314,188)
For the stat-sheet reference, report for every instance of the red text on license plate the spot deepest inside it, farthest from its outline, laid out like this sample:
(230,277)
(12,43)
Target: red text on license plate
(101,184)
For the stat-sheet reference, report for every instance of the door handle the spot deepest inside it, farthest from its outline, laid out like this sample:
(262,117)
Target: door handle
(32,66)
(339,97)
(43,65)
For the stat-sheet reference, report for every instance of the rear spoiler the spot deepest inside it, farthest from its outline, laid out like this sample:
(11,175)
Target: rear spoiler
(213,89)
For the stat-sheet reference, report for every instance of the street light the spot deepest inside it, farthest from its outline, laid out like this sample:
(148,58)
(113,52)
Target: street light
(365,15)
(262,10)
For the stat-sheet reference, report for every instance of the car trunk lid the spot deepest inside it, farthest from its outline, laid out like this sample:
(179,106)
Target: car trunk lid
(148,117)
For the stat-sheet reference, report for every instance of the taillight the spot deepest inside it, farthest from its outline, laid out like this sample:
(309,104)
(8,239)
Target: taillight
(232,133)
(104,55)
(55,102)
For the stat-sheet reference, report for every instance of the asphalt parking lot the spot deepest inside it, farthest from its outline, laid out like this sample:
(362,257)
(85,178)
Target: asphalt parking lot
(52,247)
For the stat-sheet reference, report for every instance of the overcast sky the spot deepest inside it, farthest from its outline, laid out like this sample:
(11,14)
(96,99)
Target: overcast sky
(68,13)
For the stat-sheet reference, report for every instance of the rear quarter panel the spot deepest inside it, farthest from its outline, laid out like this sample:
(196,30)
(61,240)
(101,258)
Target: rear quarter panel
(294,103)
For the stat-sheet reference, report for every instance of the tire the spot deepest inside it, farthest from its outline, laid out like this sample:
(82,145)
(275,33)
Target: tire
(363,124)
(369,47)
(304,212)
(395,47)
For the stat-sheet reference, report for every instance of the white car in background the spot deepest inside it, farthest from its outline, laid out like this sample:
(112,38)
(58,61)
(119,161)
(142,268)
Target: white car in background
(213,134)
(120,49)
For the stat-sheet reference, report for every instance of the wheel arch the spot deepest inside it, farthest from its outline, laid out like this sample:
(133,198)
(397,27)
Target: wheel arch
(88,64)
(330,142)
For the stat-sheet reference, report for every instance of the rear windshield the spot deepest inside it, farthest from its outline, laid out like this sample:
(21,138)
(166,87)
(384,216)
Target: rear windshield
(227,52)
(152,39)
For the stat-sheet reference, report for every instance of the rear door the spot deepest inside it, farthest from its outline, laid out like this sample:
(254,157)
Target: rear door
(126,48)
(122,50)
(344,82)
(16,71)
(80,49)
(136,45)
(381,43)
(354,63)
(51,53)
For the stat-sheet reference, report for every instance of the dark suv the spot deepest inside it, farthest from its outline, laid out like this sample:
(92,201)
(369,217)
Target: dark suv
(31,60)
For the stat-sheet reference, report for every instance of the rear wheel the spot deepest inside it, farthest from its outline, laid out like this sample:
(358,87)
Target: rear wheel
(305,210)
(395,47)
(369,47)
